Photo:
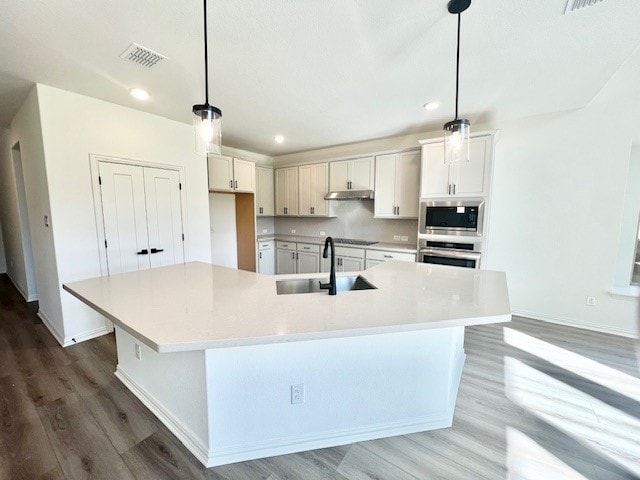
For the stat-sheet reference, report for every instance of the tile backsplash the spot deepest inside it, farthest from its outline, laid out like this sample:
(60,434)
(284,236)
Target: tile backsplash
(354,219)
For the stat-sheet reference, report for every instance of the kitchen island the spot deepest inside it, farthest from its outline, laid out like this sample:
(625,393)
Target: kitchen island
(238,372)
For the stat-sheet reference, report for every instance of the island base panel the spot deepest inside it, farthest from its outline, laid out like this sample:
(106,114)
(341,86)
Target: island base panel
(355,388)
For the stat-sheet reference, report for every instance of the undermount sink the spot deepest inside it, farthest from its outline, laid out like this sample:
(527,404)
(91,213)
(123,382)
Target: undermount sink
(312,285)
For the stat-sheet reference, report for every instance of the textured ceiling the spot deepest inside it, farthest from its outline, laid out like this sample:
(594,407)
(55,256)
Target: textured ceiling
(320,72)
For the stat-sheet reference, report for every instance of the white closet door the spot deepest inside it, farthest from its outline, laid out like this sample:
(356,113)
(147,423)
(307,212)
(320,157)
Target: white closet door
(164,216)
(125,218)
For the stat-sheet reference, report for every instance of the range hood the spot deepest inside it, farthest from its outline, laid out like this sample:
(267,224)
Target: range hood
(350,195)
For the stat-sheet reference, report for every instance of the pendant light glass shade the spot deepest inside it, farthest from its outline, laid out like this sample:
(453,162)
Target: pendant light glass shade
(456,132)
(456,141)
(207,129)
(207,119)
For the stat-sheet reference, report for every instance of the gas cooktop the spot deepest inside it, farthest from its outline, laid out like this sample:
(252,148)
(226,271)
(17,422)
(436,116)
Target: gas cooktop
(348,241)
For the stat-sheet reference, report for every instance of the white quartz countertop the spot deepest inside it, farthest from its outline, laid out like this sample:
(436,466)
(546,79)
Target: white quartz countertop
(196,306)
(390,247)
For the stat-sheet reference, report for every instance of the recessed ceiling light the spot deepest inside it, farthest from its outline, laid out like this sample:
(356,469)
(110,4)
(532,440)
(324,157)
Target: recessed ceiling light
(139,94)
(431,105)
(278,139)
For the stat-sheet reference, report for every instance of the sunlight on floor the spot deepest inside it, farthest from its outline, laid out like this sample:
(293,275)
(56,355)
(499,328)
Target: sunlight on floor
(605,430)
(527,460)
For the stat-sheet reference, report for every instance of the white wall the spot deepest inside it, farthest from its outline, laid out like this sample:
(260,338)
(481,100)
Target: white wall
(224,246)
(74,126)
(21,274)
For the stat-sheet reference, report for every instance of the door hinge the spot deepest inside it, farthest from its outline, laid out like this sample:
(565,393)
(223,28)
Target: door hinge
(105,244)
(99,180)
(183,237)
(179,186)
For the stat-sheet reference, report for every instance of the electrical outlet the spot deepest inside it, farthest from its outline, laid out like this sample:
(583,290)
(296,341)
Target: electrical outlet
(322,234)
(591,301)
(297,393)
(404,238)
(138,352)
(293,231)
(397,237)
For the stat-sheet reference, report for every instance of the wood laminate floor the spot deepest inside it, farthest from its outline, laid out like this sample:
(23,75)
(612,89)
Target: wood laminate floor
(537,401)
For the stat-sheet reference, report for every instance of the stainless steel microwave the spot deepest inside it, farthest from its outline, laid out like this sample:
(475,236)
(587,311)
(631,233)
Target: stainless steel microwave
(462,217)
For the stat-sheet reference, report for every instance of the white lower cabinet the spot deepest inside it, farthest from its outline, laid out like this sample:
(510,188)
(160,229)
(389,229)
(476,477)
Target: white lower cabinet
(266,258)
(294,257)
(347,260)
(376,257)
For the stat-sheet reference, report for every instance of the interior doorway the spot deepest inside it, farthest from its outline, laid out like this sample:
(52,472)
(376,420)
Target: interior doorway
(23,217)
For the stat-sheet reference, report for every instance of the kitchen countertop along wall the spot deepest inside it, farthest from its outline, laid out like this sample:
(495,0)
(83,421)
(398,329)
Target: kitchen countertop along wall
(391,247)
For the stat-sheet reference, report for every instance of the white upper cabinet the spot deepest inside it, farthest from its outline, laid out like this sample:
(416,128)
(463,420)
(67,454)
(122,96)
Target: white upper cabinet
(464,179)
(228,174)
(355,174)
(220,173)
(313,186)
(287,191)
(397,185)
(264,192)
(244,175)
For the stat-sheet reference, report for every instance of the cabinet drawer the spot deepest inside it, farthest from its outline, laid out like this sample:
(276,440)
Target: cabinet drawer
(350,252)
(265,245)
(308,247)
(286,245)
(383,256)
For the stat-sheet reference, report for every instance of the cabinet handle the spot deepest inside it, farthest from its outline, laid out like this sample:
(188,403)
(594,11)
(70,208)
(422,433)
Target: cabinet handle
(449,190)
(260,210)
(388,256)
(454,188)
(293,255)
(398,210)
(230,183)
(350,184)
(260,255)
(339,261)
(157,250)
(144,251)
(285,210)
(236,183)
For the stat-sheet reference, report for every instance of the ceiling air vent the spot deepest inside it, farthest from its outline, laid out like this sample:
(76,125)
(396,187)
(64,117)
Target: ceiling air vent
(143,56)
(573,5)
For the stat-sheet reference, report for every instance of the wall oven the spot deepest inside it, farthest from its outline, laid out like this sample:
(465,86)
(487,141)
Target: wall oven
(456,254)
(463,217)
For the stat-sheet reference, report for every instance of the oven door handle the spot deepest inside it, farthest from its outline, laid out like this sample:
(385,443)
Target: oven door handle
(443,252)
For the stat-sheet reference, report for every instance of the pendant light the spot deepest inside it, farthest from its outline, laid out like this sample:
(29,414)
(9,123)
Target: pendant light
(456,132)
(207,119)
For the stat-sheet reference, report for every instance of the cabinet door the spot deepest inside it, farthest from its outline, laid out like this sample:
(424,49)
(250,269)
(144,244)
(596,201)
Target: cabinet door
(164,216)
(372,263)
(292,190)
(220,173)
(319,188)
(361,174)
(264,191)
(469,176)
(266,262)
(281,191)
(348,264)
(384,202)
(285,261)
(308,262)
(435,173)
(244,175)
(339,176)
(408,184)
(305,176)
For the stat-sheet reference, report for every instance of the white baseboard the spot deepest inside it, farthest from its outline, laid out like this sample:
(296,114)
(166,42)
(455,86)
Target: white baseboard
(183,433)
(623,332)
(280,446)
(28,298)
(302,443)
(96,332)
(47,323)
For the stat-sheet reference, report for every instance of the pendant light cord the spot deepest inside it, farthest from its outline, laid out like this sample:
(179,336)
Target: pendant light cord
(457,64)
(206,59)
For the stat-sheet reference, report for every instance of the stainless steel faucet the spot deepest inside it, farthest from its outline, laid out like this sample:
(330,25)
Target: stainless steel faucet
(331,286)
